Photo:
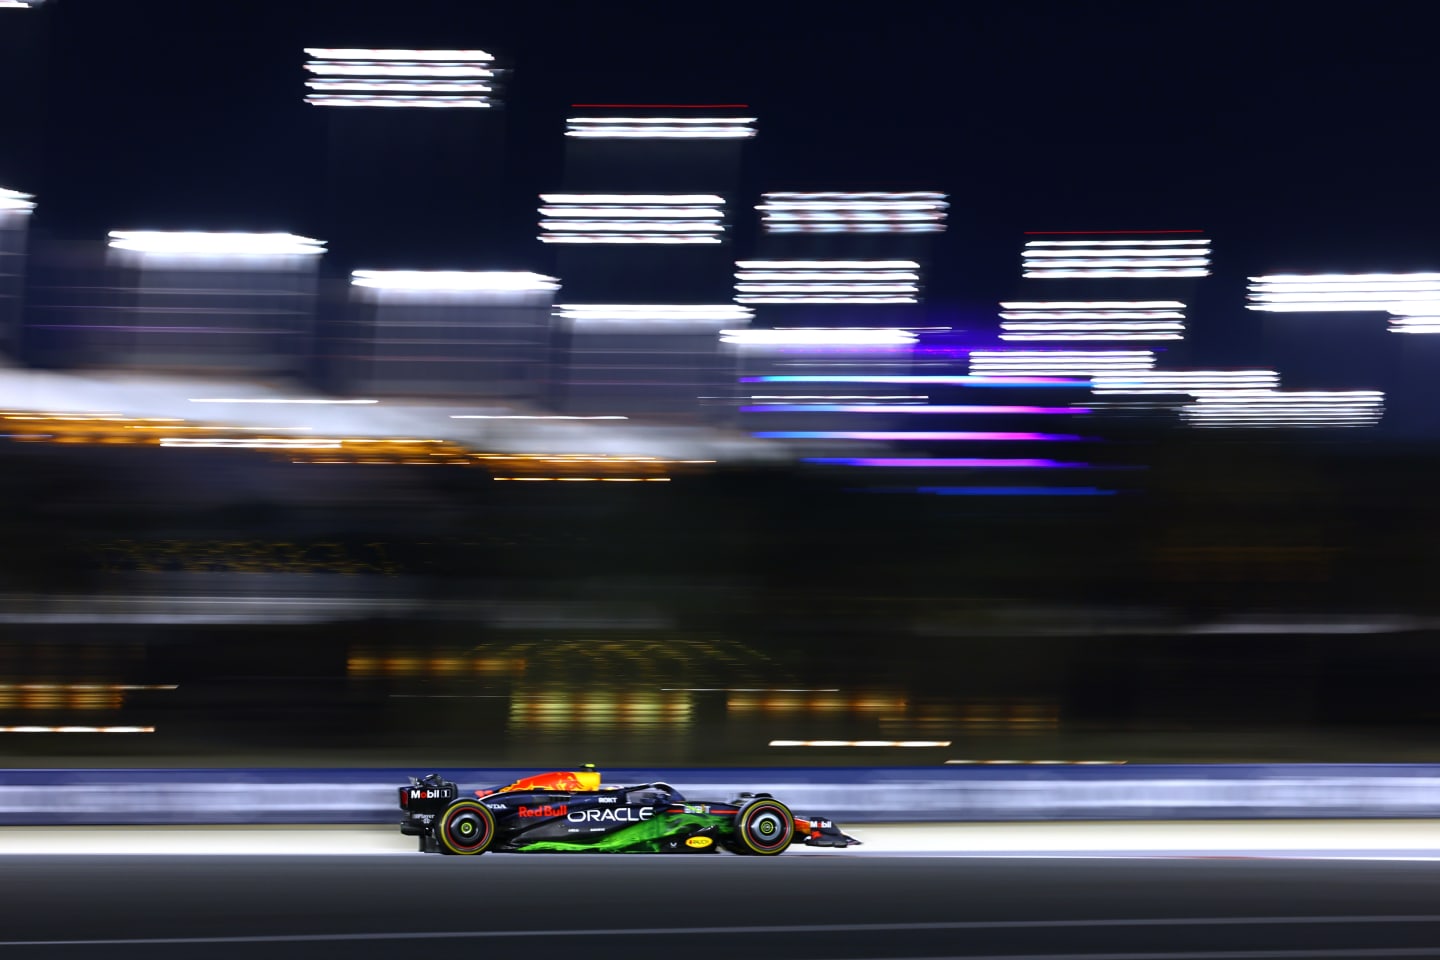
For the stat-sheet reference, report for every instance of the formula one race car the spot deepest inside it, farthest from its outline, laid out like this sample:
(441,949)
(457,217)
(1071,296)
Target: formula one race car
(572,812)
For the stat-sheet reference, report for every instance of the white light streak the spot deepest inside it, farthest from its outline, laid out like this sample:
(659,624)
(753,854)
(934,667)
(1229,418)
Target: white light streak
(34,729)
(1059,259)
(1117,243)
(521,416)
(660,128)
(860,743)
(1098,309)
(12,201)
(1252,409)
(397,86)
(696,213)
(721,313)
(657,226)
(278,400)
(197,244)
(1059,363)
(327,53)
(1415,324)
(800,336)
(821,298)
(632,218)
(256,443)
(379,71)
(1102,274)
(853,212)
(1133,320)
(654,238)
(648,199)
(872,276)
(1184,381)
(821,281)
(1411,299)
(381,100)
(790,265)
(454,280)
(444,79)
(1109,336)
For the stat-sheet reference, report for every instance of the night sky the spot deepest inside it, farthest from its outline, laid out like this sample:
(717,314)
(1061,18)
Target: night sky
(1295,140)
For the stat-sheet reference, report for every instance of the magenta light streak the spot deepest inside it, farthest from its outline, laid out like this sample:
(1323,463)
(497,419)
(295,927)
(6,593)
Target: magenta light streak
(969,380)
(923,462)
(904,435)
(900,408)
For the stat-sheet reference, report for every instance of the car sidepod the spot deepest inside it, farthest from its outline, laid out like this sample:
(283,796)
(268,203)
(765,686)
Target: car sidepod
(600,824)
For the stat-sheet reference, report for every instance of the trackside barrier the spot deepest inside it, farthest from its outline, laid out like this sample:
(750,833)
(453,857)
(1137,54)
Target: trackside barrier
(847,794)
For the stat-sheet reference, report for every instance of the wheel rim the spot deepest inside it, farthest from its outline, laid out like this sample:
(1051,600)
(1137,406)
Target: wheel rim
(767,828)
(466,829)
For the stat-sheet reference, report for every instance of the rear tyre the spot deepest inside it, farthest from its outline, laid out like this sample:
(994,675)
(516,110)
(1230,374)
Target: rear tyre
(467,827)
(763,828)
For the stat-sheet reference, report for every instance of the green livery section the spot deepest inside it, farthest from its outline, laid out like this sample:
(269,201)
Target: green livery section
(644,837)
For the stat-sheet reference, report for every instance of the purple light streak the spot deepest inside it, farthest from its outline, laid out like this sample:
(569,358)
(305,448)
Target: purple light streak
(930,462)
(901,408)
(965,380)
(904,435)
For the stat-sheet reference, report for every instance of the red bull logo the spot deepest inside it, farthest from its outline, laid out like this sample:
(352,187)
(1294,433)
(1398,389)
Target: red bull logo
(543,811)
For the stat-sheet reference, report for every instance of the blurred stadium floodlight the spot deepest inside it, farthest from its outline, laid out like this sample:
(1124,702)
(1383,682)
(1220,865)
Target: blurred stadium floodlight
(19,4)
(631,218)
(1059,363)
(201,249)
(653,312)
(1184,381)
(1281,409)
(13,203)
(866,213)
(1411,299)
(821,337)
(1055,320)
(827,281)
(1138,257)
(482,284)
(400,78)
(660,128)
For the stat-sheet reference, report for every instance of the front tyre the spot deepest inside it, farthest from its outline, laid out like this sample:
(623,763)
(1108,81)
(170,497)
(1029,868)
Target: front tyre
(764,827)
(466,827)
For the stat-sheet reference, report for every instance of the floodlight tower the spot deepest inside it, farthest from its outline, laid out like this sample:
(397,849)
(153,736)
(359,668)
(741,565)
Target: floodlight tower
(15,210)
(414,170)
(840,246)
(1104,288)
(844,265)
(217,303)
(642,238)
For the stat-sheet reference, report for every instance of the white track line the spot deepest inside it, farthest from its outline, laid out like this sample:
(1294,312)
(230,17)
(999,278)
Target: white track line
(1098,923)
(1353,839)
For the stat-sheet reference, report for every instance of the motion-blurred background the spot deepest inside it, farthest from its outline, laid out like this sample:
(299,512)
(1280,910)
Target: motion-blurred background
(570,382)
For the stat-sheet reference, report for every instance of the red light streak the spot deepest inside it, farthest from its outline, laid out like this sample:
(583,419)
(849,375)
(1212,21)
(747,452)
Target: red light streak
(1092,233)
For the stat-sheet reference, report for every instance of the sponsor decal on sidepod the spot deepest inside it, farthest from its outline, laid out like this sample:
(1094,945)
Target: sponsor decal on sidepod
(624,814)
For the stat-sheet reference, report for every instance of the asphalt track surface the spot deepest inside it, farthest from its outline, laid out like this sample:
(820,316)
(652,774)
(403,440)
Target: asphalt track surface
(363,893)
